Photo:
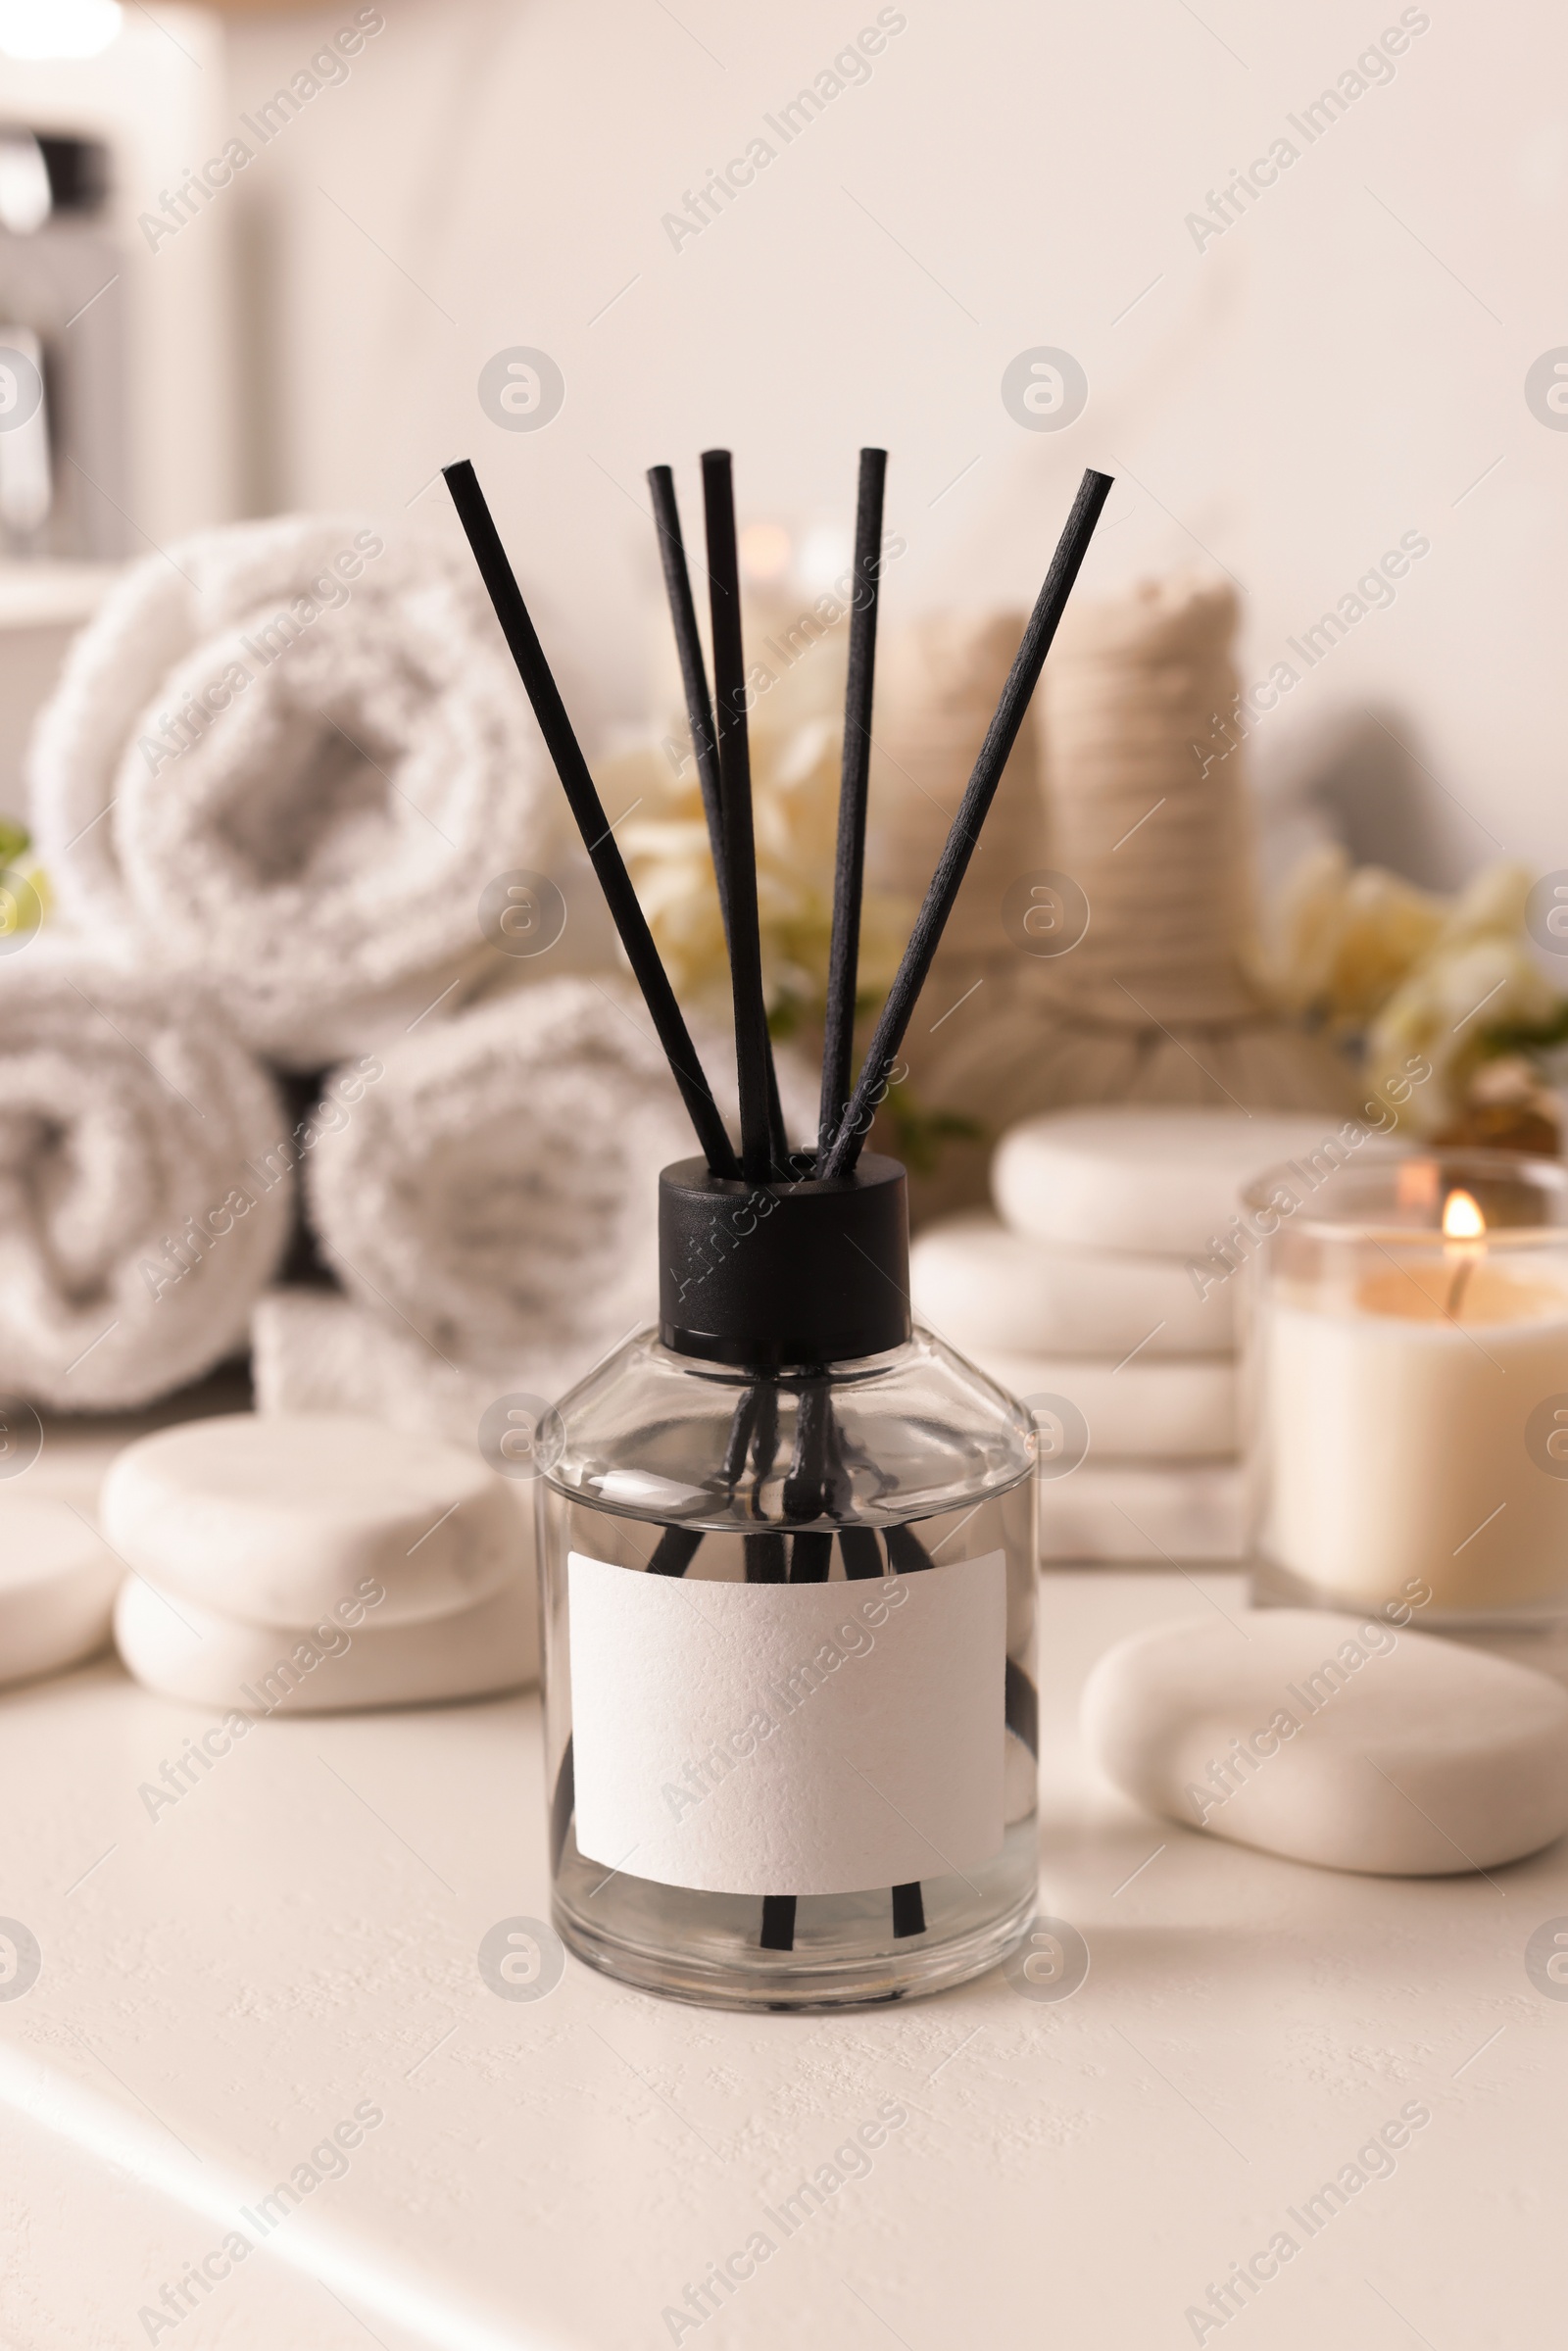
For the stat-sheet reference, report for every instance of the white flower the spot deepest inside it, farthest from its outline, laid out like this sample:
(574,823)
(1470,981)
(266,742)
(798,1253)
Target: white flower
(1469,985)
(1342,940)
(794,796)
(1369,955)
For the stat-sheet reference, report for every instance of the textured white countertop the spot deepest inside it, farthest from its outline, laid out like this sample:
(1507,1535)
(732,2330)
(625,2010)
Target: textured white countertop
(225,1983)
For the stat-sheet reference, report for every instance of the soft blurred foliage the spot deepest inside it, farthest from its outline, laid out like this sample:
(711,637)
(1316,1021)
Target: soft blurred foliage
(1373,960)
(795,756)
(25,897)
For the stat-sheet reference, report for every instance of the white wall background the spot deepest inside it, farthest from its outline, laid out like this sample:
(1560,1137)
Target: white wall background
(1344,364)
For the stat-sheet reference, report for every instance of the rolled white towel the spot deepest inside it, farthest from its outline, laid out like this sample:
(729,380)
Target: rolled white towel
(145,1193)
(990,1290)
(497,1191)
(290,756)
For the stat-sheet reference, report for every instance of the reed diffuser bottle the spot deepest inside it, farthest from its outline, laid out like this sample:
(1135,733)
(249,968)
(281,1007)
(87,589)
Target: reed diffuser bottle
(786,1539)
(789,1580)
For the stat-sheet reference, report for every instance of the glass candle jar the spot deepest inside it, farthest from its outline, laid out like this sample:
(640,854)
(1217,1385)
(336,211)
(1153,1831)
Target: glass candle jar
(1408,1394)
(789,1674)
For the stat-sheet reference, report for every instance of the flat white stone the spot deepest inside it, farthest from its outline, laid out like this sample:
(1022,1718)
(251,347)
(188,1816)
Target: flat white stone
(189,1653)
(1144,1410)
(1161,1181)
(986,1287)
(1171,1511)
(278,1519)
(56,1587)
(1335,1739)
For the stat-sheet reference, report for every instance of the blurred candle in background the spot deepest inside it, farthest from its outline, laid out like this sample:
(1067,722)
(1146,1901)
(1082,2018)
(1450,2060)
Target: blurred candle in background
(1410,1341)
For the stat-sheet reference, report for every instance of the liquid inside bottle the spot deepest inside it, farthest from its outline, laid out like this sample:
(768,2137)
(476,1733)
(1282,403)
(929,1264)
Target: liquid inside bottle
(789,1675)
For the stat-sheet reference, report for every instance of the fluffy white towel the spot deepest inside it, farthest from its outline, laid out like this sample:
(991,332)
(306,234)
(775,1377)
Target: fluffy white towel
(145,1193)
(496,1190)
(290,756)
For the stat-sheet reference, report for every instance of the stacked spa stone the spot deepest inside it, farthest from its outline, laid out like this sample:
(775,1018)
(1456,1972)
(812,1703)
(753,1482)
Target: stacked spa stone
(56,1581)
(1096,1290)
(315,1564)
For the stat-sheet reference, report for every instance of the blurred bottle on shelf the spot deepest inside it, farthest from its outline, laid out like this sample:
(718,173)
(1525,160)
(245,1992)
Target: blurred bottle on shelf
(64,459)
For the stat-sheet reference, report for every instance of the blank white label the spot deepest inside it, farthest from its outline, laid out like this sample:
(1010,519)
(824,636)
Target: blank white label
(789,1739)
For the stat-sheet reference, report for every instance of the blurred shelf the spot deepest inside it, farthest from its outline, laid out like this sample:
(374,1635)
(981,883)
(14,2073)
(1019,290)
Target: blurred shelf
(53,595)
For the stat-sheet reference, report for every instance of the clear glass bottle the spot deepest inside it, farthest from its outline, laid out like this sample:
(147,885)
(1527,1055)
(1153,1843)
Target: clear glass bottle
(804,1605)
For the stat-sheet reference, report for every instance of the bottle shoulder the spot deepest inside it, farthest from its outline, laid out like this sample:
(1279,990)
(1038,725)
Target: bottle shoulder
(664,1437)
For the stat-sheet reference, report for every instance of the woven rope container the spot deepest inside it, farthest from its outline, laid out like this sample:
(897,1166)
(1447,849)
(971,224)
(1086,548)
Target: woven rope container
(937,685)
(1152,1004)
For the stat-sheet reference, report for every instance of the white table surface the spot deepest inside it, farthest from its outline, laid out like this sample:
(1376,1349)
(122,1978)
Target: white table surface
(223,1984)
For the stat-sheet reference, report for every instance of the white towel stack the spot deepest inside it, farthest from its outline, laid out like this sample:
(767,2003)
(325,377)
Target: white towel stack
(286,771)
(1079,1294)
(288,759)
(283,766)
(145,1182)
(491,1211)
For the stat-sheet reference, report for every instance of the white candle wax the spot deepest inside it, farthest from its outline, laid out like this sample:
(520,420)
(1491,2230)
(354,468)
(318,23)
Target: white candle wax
(1395,1437)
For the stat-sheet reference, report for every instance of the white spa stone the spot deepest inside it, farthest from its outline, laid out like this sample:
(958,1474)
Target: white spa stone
(56,1587)
(1184,1410)
(1364,1747)
(276,1520)
(1172,1511)
(189,1653)
(1160,1181)
(987,1289)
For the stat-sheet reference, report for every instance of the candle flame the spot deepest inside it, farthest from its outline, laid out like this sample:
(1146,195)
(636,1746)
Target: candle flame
(1462,1220)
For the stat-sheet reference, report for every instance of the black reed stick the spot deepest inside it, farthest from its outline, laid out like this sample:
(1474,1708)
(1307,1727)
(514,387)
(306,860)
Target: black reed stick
(854,775)
(698,711)
(675,1551)
(860,1552)
(906,1554)
(806,1490)
(588,810)
(743,1421)
(908,1911)
(693,669)
(764,1552)
(764,1151)
(979,793)
(778,1923)
(765,1556)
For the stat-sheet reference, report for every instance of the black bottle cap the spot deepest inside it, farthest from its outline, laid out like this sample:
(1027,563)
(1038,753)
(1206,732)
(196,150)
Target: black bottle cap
(767,1274)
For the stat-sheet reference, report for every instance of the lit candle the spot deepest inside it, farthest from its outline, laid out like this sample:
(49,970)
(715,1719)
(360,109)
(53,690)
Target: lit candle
(1409,1377)
(1463,1242)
